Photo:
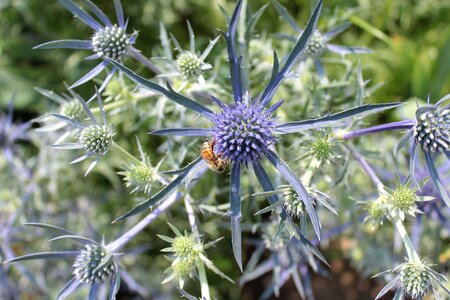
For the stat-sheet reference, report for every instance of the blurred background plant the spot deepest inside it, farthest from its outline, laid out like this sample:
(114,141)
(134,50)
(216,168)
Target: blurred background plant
(411,43)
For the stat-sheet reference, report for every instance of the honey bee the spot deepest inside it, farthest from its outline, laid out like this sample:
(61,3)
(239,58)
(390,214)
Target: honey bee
(215,162)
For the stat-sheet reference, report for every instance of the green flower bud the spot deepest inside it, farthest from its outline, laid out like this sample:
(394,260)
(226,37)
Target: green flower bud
(96,139)
(183,245)
(86,263)
(415,279)
(189,64)
(316,45)
(111,42)
(183,267)
(72,109)
(292,204)
(403,197)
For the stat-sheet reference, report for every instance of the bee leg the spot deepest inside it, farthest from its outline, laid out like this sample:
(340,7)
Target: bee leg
(213,143)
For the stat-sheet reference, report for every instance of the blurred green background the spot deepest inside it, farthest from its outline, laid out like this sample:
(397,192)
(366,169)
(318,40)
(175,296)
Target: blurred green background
(411,40)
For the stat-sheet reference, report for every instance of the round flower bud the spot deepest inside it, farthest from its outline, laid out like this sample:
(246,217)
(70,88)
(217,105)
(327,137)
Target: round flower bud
(183,245)
(111,41)
(86,263)
(292,204)
(415,280)
(189,64)
(432,129)
(322,149)
(403,197)
(375,210)
(72,109)
(96,139)
(184,266)
(315,46)
(140,177)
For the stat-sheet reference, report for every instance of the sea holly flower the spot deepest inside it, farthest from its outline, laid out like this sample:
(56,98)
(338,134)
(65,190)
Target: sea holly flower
(189,64)
(245,131)
(95,139)
(68,106)
(430,131)
(404,197)
(94,263)
(141,176)
(109,41)
(319,42)
(185,252)
(414,279)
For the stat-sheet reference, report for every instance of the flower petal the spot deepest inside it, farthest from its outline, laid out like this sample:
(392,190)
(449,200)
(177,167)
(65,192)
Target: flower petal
(81,14)
(169,92)
(303,40)
(344,50)
(235,208)
(335,31)
(182,132)
(234,60)
(92,73)
(293,180)
(94,8)
(44,255)
(334,119)
(66,44)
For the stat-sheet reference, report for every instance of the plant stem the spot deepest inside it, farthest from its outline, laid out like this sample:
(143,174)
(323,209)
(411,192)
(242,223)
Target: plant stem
(310,170)
(367,168)
(405,124)
(396,220)
(204,286)
(411,252)
(125,153)
(121,241)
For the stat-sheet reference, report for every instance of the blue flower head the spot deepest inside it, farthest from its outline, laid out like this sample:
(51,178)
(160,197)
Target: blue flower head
(244,130)
(431,130)
(109,41)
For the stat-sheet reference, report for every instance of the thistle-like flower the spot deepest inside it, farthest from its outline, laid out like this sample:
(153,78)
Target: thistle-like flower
(431,130)
(319,42)
(187,67)
(186,251)
(94,264)
(140,177)
(404,196)
(245,131)
(414,279)
(109,41)
(95,139)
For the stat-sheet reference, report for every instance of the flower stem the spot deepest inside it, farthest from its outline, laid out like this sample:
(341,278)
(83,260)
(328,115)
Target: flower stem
(405,124)
(121,241)
(411,252)
(125,153)
(310,170)
(367,168)
(204,286)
